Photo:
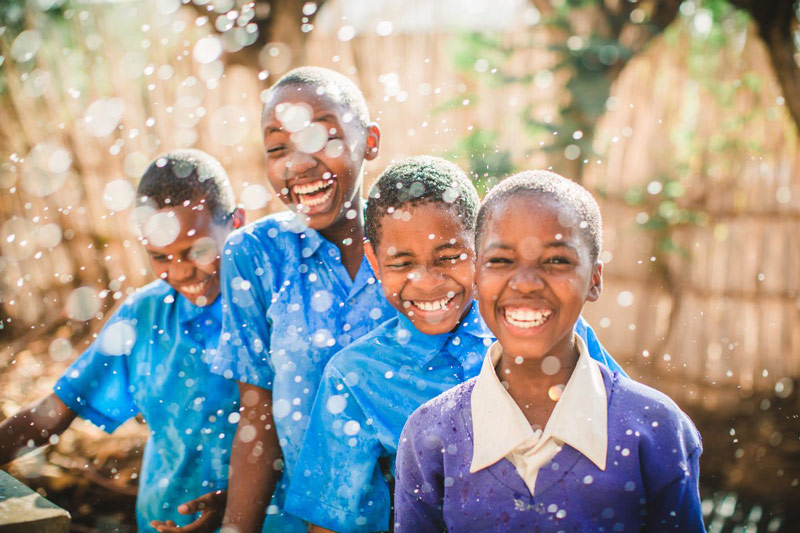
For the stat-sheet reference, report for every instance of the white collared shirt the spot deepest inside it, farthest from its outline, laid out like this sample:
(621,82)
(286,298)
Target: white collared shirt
(500,429)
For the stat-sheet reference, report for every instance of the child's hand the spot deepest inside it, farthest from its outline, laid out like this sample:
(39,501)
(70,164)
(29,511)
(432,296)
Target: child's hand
(211,507)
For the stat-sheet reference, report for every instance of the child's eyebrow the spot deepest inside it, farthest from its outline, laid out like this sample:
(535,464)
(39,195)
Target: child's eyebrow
(560,244)
(498,246)
(448,245)
(326,117)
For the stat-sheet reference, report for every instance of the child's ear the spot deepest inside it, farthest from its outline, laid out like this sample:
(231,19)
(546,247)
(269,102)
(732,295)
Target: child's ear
(369,251)
(373,141)
(237,218)
(596,282)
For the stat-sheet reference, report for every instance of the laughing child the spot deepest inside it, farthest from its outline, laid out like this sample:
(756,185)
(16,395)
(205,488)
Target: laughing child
(152,355)
(420,225)
(296,286)
(544,438)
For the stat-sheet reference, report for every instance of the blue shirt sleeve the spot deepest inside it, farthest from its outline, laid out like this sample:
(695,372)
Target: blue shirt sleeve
(418,490)
(670,456)
(337,481)
(97,385)
(596,350)
(244,341)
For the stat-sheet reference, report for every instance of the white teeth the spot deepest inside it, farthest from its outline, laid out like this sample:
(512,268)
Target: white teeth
(311,202)
(310,188)
(197,288)
(435,305)
(523,317)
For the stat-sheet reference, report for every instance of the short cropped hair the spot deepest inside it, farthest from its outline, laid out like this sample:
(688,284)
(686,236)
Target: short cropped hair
(181,176)
(416,181)
(566,192)
(336,86)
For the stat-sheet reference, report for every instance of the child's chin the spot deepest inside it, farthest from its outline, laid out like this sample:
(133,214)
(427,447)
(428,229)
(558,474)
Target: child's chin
(440,327)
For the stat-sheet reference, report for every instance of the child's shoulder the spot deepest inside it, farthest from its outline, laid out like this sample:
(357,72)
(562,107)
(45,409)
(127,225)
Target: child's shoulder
(282,231)
(445,412)
(374,346)
(651,413)
(150,296)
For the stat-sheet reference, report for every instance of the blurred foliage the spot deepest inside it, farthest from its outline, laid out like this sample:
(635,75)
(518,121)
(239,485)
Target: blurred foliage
(486,163)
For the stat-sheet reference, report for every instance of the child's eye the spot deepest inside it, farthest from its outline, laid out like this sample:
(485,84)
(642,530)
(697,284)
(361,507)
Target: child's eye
(399,266)
(275,149)
(498,261)
(159,258)
(450,258)
(558,261)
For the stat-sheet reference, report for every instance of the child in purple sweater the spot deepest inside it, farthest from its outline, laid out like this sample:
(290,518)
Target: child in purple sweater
(544,438)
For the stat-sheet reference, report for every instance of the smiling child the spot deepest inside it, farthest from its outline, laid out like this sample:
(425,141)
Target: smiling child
(544,438)
(152,355)
(420,225)
(296,286)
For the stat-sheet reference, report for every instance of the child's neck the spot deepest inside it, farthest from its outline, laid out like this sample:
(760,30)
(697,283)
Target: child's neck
(534,391)
(348,236)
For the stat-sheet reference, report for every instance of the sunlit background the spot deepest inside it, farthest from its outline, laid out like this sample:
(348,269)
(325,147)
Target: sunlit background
(681,117)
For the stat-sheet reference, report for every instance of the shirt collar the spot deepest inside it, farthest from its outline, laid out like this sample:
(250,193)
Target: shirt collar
(425,347)
(580,417)
(188,312)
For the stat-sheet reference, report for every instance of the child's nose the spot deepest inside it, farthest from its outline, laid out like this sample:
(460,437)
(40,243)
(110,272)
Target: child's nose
(426,278)
(180,270)
(526,280)
(300,162)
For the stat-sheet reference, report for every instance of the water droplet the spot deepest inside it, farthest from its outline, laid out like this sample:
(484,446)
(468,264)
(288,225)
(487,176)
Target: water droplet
(118,195)
(103,116)
(207,49)
(255,196)
(162,228)
(551,365)
(336,404)
(334,148)
(281,408)
(346,33)
(26,45)
(49,236)
(321,301)
(293,117)
(61,350)
(625,298)
(82,303)
(555,392)
(118,338)
(311,139)
(351,427)
(384,28)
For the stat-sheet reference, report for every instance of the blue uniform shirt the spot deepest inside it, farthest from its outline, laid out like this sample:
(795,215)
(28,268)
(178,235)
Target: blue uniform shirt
(152,358)
(368,391)
(288,305)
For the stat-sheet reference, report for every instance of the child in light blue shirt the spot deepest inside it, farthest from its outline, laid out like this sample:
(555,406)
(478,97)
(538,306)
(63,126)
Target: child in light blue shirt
(296,286)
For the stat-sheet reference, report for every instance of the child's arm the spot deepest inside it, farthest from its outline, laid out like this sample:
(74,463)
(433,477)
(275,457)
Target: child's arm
(35,423)
(418,488)
(338,482)
(677,506)
(255,450)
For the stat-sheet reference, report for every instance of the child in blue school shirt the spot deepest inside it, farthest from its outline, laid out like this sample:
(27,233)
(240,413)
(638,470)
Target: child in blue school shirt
(544,438)
(296,286)
(152,355)
(420,223)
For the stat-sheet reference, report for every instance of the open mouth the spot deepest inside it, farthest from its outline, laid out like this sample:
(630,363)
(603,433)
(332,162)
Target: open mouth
(526,317)
(441,305)
(313,195)
(196,288)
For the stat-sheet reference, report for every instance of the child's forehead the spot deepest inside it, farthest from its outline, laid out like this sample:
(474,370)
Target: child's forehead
(317,97)
(405,221)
